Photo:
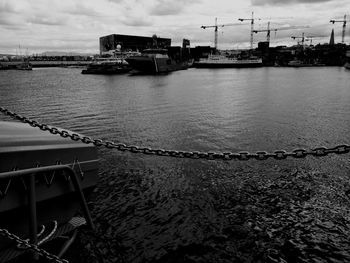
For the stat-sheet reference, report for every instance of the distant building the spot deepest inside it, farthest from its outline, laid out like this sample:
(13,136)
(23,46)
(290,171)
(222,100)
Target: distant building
(114,42)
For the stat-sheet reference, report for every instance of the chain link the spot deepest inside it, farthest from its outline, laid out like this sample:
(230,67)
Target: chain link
(241,156)
(24,244)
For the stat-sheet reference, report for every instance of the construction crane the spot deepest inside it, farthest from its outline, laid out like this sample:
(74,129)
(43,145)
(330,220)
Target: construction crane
(268,30)
(302,39)
(305,38)
(216,26)
(309,38)
(344,26)
(251,27)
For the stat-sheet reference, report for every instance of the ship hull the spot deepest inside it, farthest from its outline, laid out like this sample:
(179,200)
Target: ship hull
(107,68)
(152,65)
(106,71)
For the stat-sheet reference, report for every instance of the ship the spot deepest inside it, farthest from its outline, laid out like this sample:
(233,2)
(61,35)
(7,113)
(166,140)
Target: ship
(221,61)
(25,65)
(154,61)
(107,66)
(21,65)
(298,63)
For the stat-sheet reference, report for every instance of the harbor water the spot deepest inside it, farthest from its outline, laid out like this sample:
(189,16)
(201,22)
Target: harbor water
(209,110)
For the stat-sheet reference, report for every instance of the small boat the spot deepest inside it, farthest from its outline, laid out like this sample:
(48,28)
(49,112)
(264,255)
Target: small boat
(220,61)
(21,65)
(298,64)
(107,66)
(4,67)
(43,179)
(25,65)
(154,61)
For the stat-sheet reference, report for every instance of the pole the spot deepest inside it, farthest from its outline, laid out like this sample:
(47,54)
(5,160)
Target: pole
(216,34)
(251,31)
(343,33)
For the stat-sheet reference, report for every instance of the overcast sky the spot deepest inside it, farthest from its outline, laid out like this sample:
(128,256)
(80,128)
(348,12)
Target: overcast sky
(72,25)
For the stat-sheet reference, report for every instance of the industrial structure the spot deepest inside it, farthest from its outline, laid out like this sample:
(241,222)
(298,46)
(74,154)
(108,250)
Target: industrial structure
(302,39)
(251,27)
(344,26)
(216,26)
(115,42)
(268,30)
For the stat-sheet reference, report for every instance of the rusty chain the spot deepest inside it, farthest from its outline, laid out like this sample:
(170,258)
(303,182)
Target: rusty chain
(32,247)
(242,156)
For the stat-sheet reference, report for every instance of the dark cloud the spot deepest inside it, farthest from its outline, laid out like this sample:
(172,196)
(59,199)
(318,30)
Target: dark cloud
(286,2)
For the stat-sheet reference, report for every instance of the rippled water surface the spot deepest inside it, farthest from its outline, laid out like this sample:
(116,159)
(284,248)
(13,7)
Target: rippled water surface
(197,110)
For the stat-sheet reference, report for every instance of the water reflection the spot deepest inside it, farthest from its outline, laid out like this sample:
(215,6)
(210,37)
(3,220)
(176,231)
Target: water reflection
(160,205)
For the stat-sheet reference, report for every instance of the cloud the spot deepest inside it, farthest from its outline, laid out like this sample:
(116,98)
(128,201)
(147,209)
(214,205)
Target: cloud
(5,22)
(6,7)
(80,9)
(169,7)
(137,21)
(48,21)
(116,1)
(285,2)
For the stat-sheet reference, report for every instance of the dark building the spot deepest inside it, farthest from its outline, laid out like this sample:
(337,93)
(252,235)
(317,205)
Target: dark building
(131,43)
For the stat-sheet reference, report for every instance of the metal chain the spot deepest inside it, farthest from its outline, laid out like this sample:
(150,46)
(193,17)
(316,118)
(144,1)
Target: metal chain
(35,248)
(242,156)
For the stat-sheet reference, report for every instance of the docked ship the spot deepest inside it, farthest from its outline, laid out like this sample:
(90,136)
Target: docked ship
(220,61)
(25,65)
(155,60)
(21,65)
(298,63)
(107,66)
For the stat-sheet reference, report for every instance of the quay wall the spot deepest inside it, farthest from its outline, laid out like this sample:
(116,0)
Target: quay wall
(43,64)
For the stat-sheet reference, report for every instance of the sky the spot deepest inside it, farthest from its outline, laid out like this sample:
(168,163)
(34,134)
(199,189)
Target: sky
(35,26)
